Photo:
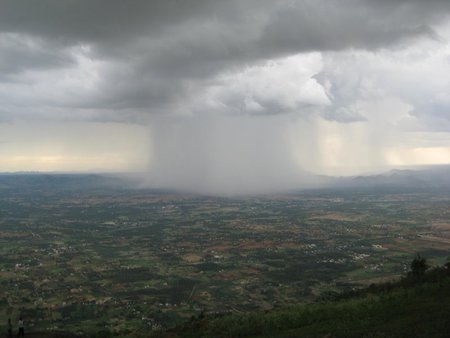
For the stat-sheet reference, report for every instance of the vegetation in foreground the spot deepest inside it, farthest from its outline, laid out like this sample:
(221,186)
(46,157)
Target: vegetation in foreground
(418,305)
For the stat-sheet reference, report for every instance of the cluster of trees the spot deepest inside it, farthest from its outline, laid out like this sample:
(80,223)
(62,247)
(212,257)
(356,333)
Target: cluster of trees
(422,272)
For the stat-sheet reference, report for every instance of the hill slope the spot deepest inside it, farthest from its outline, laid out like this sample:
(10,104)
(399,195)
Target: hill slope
(408,308)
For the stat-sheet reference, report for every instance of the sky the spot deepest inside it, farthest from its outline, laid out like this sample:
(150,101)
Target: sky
(224,96)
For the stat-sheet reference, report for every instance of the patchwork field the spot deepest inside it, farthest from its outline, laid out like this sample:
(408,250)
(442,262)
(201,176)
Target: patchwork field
(123,261)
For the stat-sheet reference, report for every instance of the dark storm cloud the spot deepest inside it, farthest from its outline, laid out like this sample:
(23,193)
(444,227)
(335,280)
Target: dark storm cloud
(163,52)
(18,54)
(98,21)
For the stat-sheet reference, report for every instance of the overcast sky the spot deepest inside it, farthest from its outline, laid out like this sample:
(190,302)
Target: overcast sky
(234,96)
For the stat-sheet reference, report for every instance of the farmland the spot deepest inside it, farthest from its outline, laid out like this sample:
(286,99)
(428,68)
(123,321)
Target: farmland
(132,260)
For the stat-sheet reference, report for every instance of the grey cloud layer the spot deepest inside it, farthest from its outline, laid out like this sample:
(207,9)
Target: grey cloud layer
(162,53)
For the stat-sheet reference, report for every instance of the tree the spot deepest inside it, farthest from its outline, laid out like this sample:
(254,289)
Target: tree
(418,266)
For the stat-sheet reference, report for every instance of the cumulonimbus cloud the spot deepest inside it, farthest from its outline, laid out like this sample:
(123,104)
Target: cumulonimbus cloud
(238,94)
(162,52)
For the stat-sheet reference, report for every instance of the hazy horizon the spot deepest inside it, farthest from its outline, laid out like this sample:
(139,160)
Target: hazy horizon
(424,179)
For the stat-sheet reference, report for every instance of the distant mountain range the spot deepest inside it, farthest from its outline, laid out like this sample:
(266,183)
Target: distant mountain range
(433,178)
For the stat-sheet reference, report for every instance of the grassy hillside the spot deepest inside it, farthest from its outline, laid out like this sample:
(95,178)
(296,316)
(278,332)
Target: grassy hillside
(416,306)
